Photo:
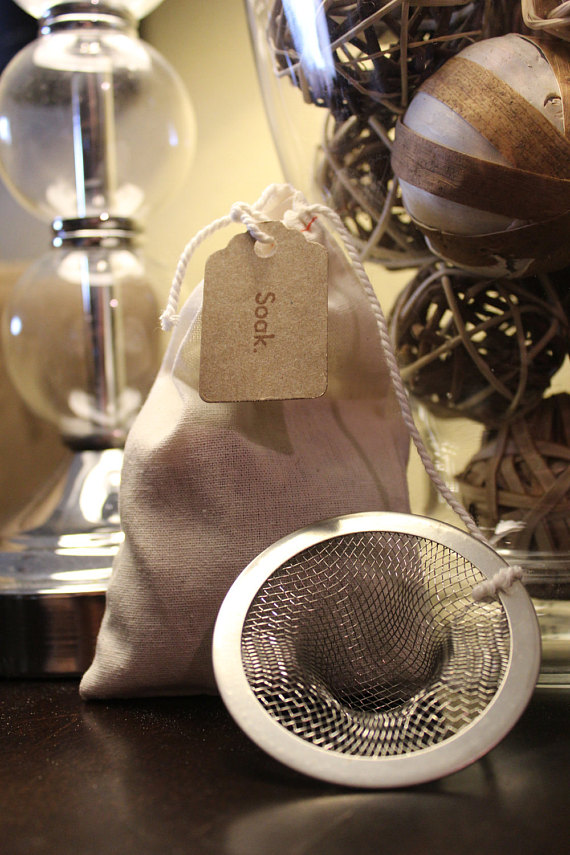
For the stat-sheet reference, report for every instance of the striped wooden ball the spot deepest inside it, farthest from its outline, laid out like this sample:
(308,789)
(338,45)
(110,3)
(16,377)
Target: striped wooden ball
(483,157)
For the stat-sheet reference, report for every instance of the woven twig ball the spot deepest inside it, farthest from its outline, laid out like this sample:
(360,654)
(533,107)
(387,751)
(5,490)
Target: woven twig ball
(354,175)
(483,157)
(478,347)
(375,55)
(522,473)
(548,17)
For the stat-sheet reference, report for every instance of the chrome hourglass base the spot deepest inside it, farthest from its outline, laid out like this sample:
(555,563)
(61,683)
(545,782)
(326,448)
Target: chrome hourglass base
(54,575)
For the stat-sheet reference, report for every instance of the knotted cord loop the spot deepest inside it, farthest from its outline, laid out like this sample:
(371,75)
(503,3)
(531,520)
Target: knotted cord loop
(240,212)
(501,581)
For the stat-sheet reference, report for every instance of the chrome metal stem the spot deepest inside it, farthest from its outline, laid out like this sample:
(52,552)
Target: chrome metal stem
(107,379)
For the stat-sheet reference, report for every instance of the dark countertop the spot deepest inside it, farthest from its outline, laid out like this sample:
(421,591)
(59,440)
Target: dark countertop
(176,776)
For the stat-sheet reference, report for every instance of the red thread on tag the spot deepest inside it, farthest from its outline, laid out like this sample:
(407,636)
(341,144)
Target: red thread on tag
(308,226)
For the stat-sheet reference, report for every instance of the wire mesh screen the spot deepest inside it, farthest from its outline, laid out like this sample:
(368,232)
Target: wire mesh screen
(369,644)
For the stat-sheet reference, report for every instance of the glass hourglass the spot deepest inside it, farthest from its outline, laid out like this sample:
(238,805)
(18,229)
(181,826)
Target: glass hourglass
(96,130)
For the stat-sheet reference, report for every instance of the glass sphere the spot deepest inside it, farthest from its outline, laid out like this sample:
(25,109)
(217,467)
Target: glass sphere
(81,340)
(92,119)
(137,8)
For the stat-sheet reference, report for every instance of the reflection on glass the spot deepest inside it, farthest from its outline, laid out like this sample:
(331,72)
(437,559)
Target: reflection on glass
(81,340)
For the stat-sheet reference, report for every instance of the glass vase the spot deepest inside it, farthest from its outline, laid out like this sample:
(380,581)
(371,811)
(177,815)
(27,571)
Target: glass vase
(485,359)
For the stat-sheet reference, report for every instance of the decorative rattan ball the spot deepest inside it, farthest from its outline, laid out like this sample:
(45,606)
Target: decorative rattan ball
(380,53)
(522,473)
(354,175)
(483,157)
(381,50)
(478,347)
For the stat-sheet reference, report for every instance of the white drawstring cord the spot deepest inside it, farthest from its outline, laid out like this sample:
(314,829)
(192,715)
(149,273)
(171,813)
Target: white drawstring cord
(169,318)
(392,364)
(299,216)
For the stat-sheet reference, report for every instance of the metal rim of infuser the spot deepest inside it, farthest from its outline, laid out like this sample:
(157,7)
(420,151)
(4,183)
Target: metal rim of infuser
(353,650)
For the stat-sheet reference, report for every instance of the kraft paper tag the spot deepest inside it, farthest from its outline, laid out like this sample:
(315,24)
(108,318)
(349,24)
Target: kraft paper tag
(264,320)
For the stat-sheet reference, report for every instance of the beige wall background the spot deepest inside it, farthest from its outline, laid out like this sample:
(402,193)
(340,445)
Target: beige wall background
(208,44)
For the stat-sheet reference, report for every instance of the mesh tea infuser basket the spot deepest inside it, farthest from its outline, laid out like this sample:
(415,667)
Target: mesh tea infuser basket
(354,651)
(375,649)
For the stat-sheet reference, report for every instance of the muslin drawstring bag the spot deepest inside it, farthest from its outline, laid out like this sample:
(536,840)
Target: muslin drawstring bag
(207,486)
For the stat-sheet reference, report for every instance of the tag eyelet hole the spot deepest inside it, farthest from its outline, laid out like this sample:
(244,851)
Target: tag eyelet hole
(264,250)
